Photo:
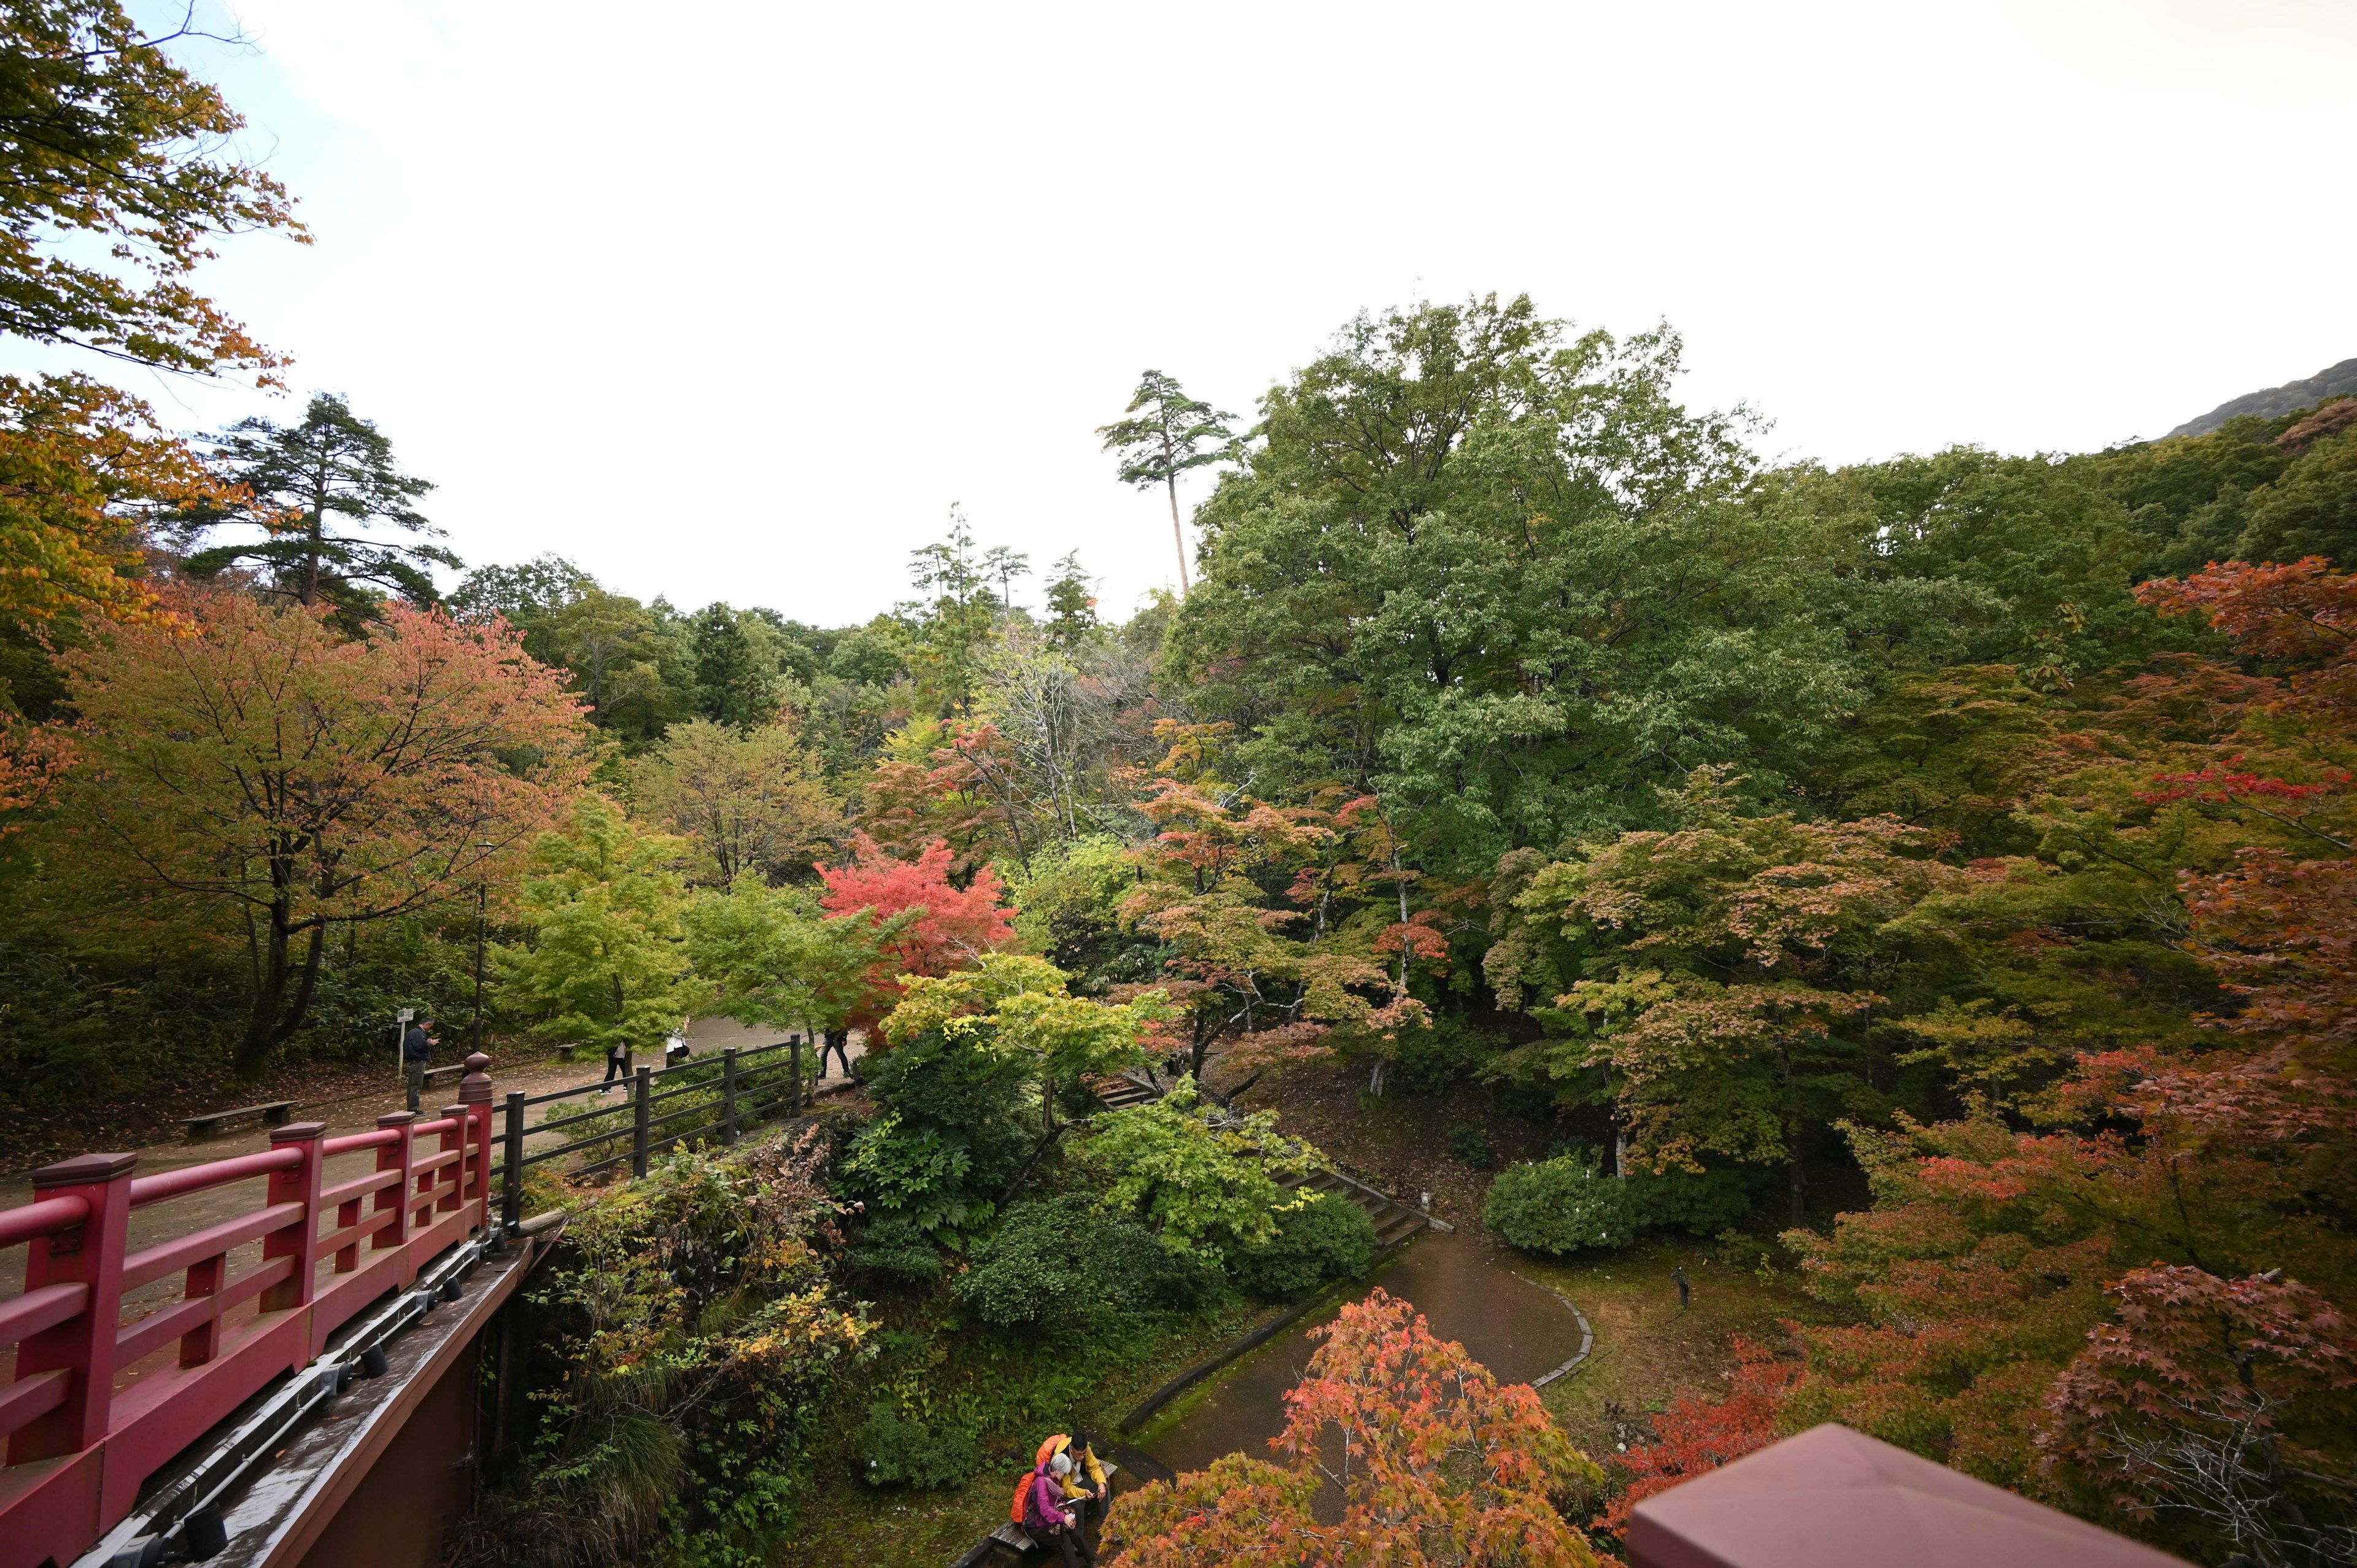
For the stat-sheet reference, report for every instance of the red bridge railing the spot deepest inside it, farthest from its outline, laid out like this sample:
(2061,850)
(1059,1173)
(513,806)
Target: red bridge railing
(94,1405)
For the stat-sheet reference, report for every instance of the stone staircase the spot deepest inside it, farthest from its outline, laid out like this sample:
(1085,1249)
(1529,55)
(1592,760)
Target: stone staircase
(1394,1221)
(1118,1094)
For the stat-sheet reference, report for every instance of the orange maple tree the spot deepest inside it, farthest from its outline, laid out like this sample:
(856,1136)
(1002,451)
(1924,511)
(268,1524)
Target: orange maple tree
(265,763)
(1436,1461)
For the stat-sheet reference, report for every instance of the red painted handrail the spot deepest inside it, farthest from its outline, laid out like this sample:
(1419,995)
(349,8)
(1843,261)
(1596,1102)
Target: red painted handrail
(94,1406)
(155,1189)
(45,1217)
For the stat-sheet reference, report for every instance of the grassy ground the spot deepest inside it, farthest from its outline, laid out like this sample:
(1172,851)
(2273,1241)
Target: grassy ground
(852,1525)
(1647,1351)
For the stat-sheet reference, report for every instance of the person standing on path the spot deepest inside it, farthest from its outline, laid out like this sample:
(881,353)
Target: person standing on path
(1685,1291)
(416,1051)
(617,1065)
(839,1042)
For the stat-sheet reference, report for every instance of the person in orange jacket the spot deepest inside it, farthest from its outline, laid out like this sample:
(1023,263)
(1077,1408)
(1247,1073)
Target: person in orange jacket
(1085,1484)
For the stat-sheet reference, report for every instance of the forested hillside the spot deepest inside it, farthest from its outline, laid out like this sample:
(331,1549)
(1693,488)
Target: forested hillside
(1933,876)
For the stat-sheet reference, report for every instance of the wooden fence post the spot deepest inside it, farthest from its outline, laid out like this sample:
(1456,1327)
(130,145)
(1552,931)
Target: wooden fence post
(400,1154)
(729,1096)
(639,1124)
(475,1094)
(81,1345)
(512,1196)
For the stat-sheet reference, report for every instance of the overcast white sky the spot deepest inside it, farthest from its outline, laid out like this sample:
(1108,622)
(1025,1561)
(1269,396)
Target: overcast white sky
(733,301)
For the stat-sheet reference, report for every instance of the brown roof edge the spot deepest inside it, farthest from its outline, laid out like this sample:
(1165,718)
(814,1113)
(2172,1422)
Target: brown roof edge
(1832,1497)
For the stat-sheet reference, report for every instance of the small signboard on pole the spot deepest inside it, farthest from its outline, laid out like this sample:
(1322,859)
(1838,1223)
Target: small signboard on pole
(400,1029)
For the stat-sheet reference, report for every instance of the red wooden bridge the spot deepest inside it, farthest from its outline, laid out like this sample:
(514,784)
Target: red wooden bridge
(94,1409)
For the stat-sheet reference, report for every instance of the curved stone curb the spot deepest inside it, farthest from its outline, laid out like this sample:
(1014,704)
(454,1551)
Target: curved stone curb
(1586,1334)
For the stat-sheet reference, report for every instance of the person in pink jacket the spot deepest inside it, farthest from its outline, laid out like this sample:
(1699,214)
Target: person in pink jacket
(1044,1518)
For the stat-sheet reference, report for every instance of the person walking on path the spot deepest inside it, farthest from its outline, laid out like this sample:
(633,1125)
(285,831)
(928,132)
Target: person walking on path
(416,1052)
(617,1065)
(1685,1291)
(839,1042)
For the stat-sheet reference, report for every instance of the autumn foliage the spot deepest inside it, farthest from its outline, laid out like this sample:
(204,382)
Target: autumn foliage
(955,925)
(1697,1435)
(1435,1461)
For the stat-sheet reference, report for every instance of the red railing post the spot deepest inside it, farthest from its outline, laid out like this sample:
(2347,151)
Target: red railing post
(202,1343)
(475,1094)
(300,1240)
(398,1155)
(84,1345)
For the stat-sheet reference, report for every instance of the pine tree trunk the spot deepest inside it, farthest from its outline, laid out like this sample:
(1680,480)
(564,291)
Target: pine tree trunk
(1177,535)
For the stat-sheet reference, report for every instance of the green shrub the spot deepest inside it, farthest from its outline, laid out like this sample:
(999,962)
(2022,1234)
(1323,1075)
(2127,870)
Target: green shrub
(1471,1146)
(1559,1205)
(1700,1204)
(1328,1238)
(1064,1264)
(1563,1205)
(896,1245)
(899,1450)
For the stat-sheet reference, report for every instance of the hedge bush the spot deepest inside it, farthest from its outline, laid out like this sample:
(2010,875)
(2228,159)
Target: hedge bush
(1563,1205)
(1559,1205)
(1329,1238)
(1063,1263)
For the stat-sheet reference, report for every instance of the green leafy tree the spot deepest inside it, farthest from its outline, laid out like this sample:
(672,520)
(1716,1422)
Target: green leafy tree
(773,957)
(954,617)
(315,487)
(749,801)
(1719,975)
(1071,604)
(1167,434)
(608,961)
(737,673)
(108,149)
(1500,577)
(1203,1177)
(633,664)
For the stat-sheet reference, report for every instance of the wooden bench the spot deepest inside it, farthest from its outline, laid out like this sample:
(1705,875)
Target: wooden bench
(436,1076)
(274,1113)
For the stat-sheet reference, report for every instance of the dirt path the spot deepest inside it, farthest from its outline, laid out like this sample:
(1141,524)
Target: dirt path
(178,1216)
(1468,1291)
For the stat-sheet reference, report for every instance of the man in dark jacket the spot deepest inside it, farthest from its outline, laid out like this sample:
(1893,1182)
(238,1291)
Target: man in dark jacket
(416,1051)
(839,1042)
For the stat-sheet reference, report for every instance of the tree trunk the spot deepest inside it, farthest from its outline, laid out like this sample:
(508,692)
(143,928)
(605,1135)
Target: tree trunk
(1375,1079)
(273,1018)
(1799,1192)
(1177,535)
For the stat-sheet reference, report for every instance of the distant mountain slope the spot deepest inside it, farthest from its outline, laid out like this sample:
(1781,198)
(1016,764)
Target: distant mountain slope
(2340,380)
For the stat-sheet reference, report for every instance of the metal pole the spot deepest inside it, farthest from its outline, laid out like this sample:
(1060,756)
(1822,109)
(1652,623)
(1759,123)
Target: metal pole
(796,1047)
(729,1096)
(639,1124)
(512,1196)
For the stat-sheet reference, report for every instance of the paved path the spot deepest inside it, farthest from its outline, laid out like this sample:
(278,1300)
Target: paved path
(161,1221)
(1467,1289)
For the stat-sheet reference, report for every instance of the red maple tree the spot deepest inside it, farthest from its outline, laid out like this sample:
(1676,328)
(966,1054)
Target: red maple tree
(955,926)
(1697,1435)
